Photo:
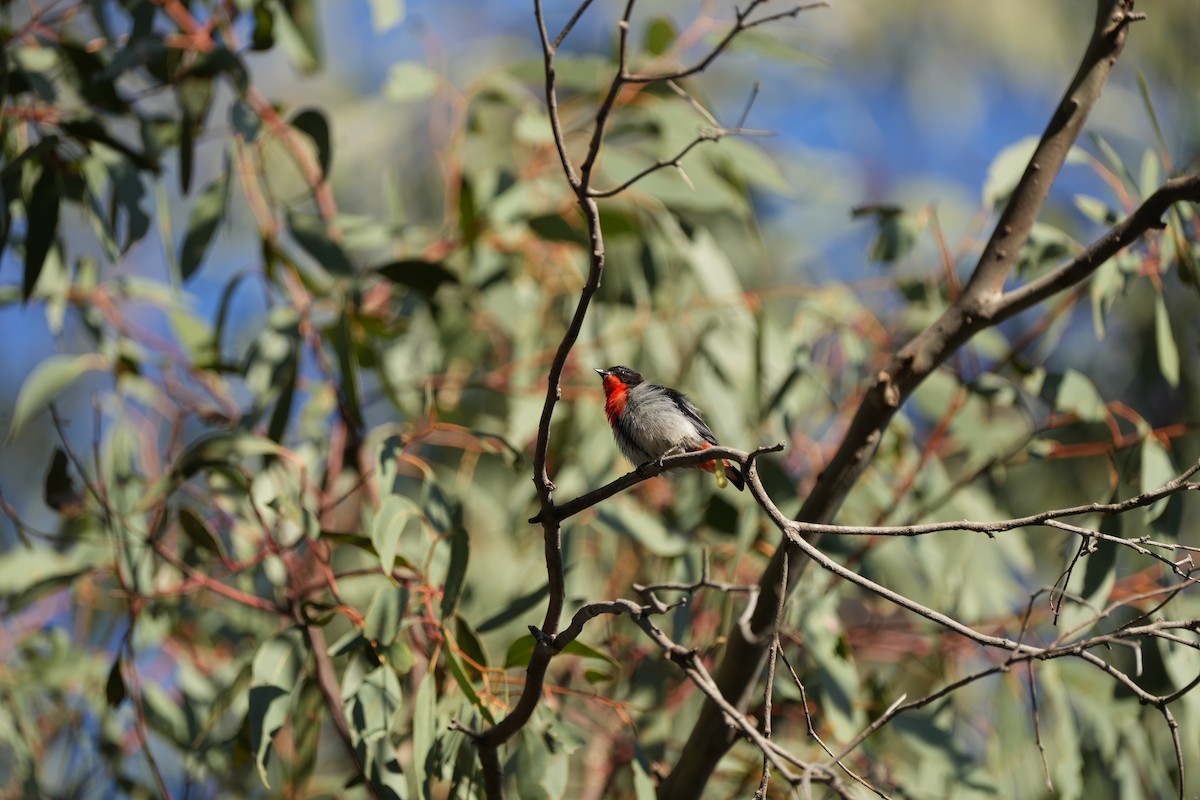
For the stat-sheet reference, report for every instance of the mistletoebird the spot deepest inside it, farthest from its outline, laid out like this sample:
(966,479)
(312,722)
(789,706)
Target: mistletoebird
(651,422)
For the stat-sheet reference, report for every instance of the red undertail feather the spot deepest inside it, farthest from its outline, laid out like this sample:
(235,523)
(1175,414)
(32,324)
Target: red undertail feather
(730,472)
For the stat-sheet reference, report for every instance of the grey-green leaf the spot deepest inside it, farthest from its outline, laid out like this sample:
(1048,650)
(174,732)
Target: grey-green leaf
(203,221)
(42,214)
(48,379)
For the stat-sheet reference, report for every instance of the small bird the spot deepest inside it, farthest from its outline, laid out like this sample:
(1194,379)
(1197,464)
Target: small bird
(650,422)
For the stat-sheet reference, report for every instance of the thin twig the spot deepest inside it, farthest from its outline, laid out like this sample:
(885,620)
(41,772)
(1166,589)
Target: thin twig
(1037,727)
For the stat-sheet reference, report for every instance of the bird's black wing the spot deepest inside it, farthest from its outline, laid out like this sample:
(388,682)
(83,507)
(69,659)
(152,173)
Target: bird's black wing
(689,408)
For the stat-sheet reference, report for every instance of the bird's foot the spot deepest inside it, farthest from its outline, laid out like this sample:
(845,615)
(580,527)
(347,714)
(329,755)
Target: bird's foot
(674,451)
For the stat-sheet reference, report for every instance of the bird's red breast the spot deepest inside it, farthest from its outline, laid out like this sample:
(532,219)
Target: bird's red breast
(615,391)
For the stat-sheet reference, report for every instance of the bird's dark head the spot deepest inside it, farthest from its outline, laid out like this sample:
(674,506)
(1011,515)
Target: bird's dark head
(620,376)
(618,381)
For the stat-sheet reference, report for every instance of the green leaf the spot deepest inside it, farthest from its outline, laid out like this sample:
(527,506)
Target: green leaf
(1010,164)
(350,539)
(660,35)
(27,575)
(194,95)
(456,572)
(520,651)
(296,28)
(221,448)
(267,712)
(1108,282)
(306,726)
(469,642)
(464,682)
(742,161)
(276,672)
(417,274)
(199,534)
(424,733)
(578,648)
(46,381)
(531,766)
(645,528)
(643,784)
(93,81)
(206,215)
(312,123)
(165,713)
(515,609)
(1095,209)
(36,590)
(394,515)
(114,688)
(385,615)
(263,38)
(59,490)
(765,44)
(594,675)
(1077,394)
(1144,90)
(1112,157)
(41,213)
(311,233)
(1150,174)
(386,14)
(896,232)
(349,378)
(375,703)
(1046,246)
(1164,340)
(409,82)
(280,660)
(1156,470)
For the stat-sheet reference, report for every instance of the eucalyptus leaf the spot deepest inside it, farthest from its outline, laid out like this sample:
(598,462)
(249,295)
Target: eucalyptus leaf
(205,218)
(47,381)
(41,211)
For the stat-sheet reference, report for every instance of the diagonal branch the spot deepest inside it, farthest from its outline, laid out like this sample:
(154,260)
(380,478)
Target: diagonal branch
(558,40)
(1147,217)
(743,659)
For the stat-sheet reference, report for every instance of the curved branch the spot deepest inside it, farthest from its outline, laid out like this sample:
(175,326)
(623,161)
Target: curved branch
(650,470)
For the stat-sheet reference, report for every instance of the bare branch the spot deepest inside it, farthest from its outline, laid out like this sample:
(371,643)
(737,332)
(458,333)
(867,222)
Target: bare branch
(714,134)
(768,694)
(650,470)
(610,99)
(707,136)
(1037,728)
(742,23)
(558,40)
(1173,727)
(1173,486)
(560,139)
(691,665)
(1147,217)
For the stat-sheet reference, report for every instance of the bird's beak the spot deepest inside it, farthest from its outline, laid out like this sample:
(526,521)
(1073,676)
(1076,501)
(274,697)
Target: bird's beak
(601,372)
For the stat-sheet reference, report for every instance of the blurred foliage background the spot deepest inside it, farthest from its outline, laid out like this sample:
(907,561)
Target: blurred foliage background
(281,284)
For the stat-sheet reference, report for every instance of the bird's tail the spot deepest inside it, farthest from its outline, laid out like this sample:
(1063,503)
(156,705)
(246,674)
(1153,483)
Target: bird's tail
(735,476)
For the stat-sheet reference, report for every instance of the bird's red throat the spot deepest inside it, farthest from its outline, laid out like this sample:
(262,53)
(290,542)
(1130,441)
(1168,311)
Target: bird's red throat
(615,391)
